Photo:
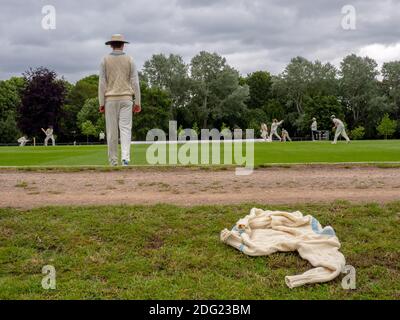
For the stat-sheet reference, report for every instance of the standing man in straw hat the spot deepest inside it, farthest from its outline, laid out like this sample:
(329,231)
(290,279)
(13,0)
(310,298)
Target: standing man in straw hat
(314,129)
(118,83)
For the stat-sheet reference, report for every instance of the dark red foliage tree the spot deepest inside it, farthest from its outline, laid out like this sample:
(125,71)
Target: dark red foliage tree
(41,100)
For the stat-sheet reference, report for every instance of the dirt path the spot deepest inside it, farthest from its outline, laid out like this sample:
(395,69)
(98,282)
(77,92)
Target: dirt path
(193,186)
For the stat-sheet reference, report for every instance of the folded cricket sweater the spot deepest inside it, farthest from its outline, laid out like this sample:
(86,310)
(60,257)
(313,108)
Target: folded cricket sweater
(266,232)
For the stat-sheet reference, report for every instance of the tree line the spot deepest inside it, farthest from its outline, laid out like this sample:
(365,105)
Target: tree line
(208,93)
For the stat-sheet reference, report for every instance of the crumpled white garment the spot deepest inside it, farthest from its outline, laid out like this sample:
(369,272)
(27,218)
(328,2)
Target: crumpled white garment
(266,232)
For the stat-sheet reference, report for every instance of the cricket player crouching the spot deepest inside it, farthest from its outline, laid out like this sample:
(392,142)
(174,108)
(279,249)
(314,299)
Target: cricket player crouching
(118,83)
(340,129)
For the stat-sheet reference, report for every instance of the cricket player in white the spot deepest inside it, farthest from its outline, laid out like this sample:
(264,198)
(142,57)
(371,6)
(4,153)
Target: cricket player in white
(314,129)
(118,83)
(285,136)
(340,130)
(22,141)
(274,129)
(102,136)
(49,135)
(264,131)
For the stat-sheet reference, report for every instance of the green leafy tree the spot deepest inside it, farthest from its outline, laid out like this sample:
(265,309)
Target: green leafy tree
(295,80)
(171,75)
(84,89)
(195,128)
(301,79)
(41,100)
(358,85)
(216,93)
(88,129)
(260,83)
(387,127)
(9,102)
(90,111)
(391,83)
(274,110)
(254,119)
(155,112)
(321,108)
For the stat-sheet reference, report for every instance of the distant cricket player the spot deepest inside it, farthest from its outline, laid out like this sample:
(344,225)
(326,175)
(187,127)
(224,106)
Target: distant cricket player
(22,141)
(49,132)
(102,137)
(285,135)
(314,129)
(274,129)
(340,130)
(118,83)
(264,131)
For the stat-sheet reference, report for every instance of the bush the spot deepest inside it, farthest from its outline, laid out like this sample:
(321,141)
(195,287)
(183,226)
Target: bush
(357,133)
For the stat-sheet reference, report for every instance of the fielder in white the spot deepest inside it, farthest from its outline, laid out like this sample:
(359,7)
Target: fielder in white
(314,129)
(118,83)
(340,130)
(102,136)
(49,135)
(274,129)
(285,135)
(264,131)
(22,141)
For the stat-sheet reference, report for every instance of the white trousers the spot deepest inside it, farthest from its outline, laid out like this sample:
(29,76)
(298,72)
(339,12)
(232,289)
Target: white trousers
(341,131)
(46,140)
(274,133)
(119,120)
(264,134)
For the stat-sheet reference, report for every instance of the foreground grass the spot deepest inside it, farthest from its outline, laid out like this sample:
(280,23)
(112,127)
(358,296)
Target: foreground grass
(169,252)
(264,154)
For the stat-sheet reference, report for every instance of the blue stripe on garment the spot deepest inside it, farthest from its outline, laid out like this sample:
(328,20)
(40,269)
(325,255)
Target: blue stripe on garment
(116,53)
(327,231)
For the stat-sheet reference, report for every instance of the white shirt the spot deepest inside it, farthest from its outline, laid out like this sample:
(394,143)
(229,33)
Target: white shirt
(338,122)
(314,126)
(275,125)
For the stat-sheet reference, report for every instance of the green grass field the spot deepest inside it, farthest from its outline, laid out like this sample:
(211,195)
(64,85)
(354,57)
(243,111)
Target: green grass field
(168,252)
(265,153)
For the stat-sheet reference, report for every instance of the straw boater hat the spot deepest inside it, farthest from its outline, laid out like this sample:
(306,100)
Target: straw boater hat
(116,38)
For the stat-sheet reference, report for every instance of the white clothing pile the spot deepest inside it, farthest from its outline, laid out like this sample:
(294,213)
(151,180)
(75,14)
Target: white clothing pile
(265,232)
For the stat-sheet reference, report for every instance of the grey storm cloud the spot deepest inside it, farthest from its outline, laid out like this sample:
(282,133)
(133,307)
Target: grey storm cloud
(251,34)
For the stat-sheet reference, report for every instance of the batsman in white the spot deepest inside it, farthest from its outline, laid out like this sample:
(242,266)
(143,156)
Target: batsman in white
(49,135)
(118,83)
(274,129)
(340,129)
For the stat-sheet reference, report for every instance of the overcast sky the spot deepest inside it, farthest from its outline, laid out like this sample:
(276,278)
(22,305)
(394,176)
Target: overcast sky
(251,34)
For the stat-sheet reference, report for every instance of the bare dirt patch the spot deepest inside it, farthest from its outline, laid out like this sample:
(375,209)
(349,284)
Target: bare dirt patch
(187,186)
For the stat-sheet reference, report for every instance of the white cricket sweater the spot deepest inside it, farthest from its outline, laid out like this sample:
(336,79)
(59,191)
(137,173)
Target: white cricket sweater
(118,78)
(275,125)
(266,232)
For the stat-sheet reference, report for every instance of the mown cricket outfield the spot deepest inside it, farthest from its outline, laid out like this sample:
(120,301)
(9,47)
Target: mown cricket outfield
(377,151)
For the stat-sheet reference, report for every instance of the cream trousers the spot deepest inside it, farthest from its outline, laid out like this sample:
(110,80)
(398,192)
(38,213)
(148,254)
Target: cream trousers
(119,120)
